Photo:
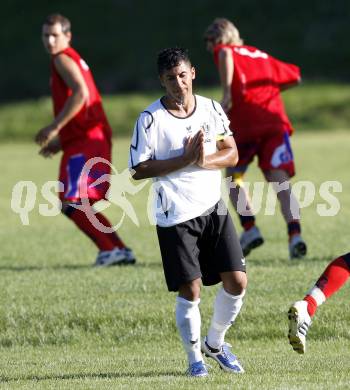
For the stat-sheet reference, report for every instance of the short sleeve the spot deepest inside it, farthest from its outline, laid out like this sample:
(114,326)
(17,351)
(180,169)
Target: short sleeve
(141,148)
(222,123)
(285,73)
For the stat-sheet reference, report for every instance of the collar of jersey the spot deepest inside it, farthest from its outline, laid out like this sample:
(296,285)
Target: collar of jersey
(181,117)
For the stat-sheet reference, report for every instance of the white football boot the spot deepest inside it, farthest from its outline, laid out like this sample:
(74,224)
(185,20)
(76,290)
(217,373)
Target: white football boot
(113,257)
(223,356)
(197,369)
(299,323)
(129,256)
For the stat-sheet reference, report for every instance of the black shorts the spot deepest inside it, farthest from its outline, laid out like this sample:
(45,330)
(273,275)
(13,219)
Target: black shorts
(202,247)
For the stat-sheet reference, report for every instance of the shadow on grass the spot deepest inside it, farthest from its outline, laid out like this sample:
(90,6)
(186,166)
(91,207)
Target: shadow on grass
(312,259)
(41,268)
(71,267)
(102,375)
(266,262)
(154,264)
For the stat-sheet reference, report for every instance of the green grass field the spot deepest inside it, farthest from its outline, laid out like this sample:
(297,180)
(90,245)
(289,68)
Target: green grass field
(66,325)
(311,106)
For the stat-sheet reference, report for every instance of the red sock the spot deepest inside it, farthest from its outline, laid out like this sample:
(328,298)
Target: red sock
(116,240)
(334,276)
(332,279)
(104,241)
(311,305)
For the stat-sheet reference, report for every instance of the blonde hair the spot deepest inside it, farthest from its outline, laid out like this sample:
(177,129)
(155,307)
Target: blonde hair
(223,31)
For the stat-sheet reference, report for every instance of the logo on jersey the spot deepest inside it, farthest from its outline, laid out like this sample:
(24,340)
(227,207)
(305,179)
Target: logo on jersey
(205,127)
(252,54)
(206,130)
(83,64)
(189,129)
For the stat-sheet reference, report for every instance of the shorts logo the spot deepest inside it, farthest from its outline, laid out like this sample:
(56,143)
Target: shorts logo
(280,156)
(243,261)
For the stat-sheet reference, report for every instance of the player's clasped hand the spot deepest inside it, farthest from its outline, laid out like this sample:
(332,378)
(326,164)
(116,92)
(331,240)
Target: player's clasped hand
(201,159)
(193,148)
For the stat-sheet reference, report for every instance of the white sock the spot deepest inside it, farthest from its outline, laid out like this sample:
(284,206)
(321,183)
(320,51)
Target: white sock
(226,309)
(188,321)
(317,294)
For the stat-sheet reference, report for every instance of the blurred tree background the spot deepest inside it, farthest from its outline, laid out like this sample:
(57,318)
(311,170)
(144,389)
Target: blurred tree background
(120,38)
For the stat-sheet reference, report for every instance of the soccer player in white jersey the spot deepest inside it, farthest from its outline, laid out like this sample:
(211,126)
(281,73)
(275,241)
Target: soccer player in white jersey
(182,141)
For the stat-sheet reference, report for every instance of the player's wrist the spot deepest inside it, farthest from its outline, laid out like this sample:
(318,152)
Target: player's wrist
(185,159)
(56,126)
(55,129)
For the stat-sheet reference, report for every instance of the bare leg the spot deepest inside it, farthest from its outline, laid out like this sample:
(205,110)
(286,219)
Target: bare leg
(251,237)
(289,204)
(240,198)
(191,290)
(290,210)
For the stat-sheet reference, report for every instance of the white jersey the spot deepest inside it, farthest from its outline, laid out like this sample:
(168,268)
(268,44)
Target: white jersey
(159,135)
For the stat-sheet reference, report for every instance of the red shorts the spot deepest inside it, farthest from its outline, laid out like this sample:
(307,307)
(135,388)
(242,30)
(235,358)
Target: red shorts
(273,151)
(78,182)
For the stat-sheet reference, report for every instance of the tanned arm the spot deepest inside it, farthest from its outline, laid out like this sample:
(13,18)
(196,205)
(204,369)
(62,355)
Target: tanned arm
(154,168)
(226,155)
(226,69)
(71,74)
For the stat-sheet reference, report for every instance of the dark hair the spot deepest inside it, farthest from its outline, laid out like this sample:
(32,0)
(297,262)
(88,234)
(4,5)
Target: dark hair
(171,57)
(58,18)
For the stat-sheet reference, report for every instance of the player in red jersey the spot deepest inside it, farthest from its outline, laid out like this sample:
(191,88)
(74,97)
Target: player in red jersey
(81,130)
(301,313)
(251,82)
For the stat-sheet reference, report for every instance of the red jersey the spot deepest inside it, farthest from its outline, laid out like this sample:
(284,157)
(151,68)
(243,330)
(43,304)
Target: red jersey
(90,122)
(257,105)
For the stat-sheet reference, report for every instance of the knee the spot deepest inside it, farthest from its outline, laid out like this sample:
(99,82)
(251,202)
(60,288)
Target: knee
(242,283)
(236,284)
(276,176)
(191,290)
(67,208)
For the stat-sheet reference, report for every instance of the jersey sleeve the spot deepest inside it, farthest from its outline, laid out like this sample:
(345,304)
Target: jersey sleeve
(222,123)
(285,73)
(141,148)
